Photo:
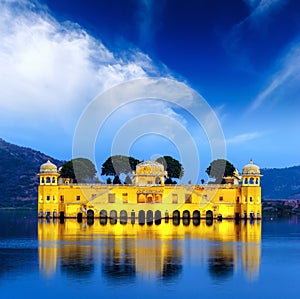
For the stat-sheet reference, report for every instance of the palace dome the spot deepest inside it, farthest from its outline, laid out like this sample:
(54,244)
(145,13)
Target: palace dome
(150,167)
(48,167)
(251,169)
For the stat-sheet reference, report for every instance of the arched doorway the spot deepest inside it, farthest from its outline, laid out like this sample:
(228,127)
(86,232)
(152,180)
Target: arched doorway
(167,216)
(176,214)
(209,214)
(132,217)
(149,216)
(141,217)
(113,217)
(79,217)
(113,214)
(157,215)
(103,214)
(196,214)
(90,214)
(123,217)
(186,214)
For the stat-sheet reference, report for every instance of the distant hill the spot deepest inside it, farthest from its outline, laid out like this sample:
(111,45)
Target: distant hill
(281,183)
(18,179)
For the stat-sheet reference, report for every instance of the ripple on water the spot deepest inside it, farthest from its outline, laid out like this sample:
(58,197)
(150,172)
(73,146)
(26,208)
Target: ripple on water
(18,244)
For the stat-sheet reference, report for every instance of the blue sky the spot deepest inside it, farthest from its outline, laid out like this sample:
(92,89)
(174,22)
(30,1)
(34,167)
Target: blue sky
(242,57)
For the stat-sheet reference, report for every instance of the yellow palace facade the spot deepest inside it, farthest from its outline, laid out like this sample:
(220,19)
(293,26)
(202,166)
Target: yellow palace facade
(148,199)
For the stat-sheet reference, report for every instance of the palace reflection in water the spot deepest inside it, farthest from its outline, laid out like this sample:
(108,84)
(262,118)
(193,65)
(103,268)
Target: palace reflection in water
(130,251)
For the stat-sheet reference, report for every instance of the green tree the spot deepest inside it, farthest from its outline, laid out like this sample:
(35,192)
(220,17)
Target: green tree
(117,180)
(169,181)
(118,164)
(108,181)
(128,180)
(80,170)
(218,169)
(172,166)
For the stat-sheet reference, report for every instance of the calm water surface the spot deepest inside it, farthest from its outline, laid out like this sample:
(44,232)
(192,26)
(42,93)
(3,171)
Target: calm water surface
(40,259)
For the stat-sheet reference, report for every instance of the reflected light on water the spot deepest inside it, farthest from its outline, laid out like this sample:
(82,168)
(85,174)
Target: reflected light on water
(126,252)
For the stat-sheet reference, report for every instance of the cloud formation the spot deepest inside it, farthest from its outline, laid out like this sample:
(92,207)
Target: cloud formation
(287,74)
(47,67)
(263,7)
(245,137)
(244,38)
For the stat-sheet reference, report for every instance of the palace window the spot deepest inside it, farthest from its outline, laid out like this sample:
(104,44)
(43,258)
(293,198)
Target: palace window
(250,199)
(175,198)
(125,197)
(149,198)
(43,181)
(238,199)
(256,181)
(141,198)
(48,197)
(251,181)
(111,198)
(220,198)
(53,180)
(62,198)
(158,198)
(246,181)
(48,180)
(188,198)
(78,197)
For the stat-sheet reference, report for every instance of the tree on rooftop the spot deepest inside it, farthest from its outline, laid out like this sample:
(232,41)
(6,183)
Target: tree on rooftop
(172,166)
(220,168)
(117,165)
(79,170)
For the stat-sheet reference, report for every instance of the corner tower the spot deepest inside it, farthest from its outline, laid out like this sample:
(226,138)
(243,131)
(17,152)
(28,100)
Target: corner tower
(48,190)
(251,191)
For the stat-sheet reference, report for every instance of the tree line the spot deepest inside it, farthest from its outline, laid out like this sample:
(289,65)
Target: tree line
(82,170)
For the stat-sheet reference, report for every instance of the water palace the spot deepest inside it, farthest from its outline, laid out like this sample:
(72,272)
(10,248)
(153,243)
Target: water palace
(148,198)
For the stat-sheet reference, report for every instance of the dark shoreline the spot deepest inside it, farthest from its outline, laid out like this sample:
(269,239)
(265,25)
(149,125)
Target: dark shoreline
(280,207)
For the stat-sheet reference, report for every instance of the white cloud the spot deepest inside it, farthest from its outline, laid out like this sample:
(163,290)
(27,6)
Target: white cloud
(255,23)
(263,7)
(288,74)
(243,137)
(50,69)
(149,12)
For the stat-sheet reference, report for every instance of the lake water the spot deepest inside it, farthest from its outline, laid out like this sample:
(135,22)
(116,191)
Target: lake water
(40,259)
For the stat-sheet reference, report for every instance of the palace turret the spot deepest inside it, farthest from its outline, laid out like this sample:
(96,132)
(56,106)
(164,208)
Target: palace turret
(48,190)
(251,191)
